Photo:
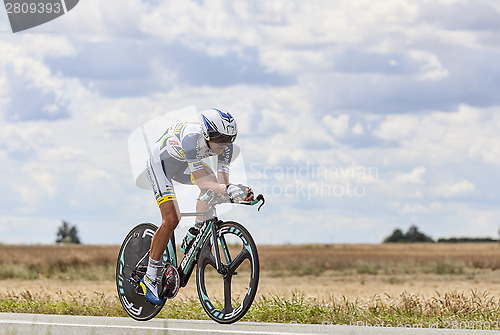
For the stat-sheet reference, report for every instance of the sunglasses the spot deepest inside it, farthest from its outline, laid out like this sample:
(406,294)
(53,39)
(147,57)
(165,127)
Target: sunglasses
(222,139)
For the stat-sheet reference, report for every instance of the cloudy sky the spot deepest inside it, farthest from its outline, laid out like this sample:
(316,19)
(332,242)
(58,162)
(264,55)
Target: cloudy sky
(355,117)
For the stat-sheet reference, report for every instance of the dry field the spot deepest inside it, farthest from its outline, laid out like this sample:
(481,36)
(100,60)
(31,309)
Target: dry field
(358,272)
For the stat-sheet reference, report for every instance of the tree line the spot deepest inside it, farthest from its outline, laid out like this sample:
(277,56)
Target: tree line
(414,235)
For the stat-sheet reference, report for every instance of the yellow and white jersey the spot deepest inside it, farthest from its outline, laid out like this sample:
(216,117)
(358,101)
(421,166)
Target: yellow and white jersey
(177,154)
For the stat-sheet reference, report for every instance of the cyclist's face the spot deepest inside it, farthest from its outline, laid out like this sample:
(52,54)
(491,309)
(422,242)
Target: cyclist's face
(218,148)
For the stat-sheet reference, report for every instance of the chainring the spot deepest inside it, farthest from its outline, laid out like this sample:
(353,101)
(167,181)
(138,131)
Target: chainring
(170,281)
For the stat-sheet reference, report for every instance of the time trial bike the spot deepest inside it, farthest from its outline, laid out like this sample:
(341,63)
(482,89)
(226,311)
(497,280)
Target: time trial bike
(225,256)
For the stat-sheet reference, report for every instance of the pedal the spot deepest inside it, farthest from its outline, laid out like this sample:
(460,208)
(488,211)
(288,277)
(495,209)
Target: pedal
(134,280)
(138,290)
(137,274)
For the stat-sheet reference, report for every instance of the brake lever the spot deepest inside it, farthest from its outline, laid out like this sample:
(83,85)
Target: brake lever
(260,197)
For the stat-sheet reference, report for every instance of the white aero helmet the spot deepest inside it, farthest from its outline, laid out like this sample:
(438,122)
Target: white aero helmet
(218,126)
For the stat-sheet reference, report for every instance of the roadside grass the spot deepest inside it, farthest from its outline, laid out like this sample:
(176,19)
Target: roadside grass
(441,311)
(75,303)
(477,310)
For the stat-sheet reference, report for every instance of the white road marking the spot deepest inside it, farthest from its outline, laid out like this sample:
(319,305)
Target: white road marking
(21,322)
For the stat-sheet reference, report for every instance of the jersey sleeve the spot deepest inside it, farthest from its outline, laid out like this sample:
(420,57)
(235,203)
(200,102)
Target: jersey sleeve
(189,144)
(224,159)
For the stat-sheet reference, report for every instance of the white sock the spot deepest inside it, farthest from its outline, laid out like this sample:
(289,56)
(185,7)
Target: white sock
(152,269)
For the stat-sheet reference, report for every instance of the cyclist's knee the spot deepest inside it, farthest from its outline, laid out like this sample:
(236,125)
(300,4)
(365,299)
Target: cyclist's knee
(171,220)
(170,215)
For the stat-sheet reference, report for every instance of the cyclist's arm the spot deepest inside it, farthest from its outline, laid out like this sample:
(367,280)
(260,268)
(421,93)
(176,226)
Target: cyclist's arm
(223,170)
(223,162)
(223,177)
(200,174)
(203,181)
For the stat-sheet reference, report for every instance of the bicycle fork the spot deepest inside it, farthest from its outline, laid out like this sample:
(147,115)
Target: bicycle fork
(221,269)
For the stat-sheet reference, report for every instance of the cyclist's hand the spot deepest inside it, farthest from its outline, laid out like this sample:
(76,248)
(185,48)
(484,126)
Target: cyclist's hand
(238,193)
(235,193)
(249,193)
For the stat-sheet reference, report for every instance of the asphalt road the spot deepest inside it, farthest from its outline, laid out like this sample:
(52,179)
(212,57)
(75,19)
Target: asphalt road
(36,324)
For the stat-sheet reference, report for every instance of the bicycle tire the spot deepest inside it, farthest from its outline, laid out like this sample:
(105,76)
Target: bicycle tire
(206,260)
(134,248)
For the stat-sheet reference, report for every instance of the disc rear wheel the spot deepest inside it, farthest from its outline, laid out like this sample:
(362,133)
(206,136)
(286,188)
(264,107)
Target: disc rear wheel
(130,268)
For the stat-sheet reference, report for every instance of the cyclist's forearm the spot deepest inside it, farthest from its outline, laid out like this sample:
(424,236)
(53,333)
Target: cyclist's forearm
(216,187)
(223,177)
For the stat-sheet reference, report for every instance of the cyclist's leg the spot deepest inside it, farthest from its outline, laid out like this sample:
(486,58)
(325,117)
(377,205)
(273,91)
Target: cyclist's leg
(170,217)
(169,209)
(167,202)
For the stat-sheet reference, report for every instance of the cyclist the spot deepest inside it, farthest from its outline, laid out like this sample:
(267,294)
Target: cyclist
(177,156)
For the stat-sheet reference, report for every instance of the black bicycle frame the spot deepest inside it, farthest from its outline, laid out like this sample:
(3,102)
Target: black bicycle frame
(186,265)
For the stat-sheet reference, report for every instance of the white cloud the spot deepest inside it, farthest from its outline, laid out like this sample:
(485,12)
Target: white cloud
(457,189)
(47,45)
(397,127)
(413,209)
(31,90)
(410,94)
(414,177)
(417,208)
(358,129)
(24,140)
(63,153)
(444,136)
(339,125)
(431,68)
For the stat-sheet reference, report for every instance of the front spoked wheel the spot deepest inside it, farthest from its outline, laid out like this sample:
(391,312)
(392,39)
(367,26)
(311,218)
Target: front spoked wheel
(226,294)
